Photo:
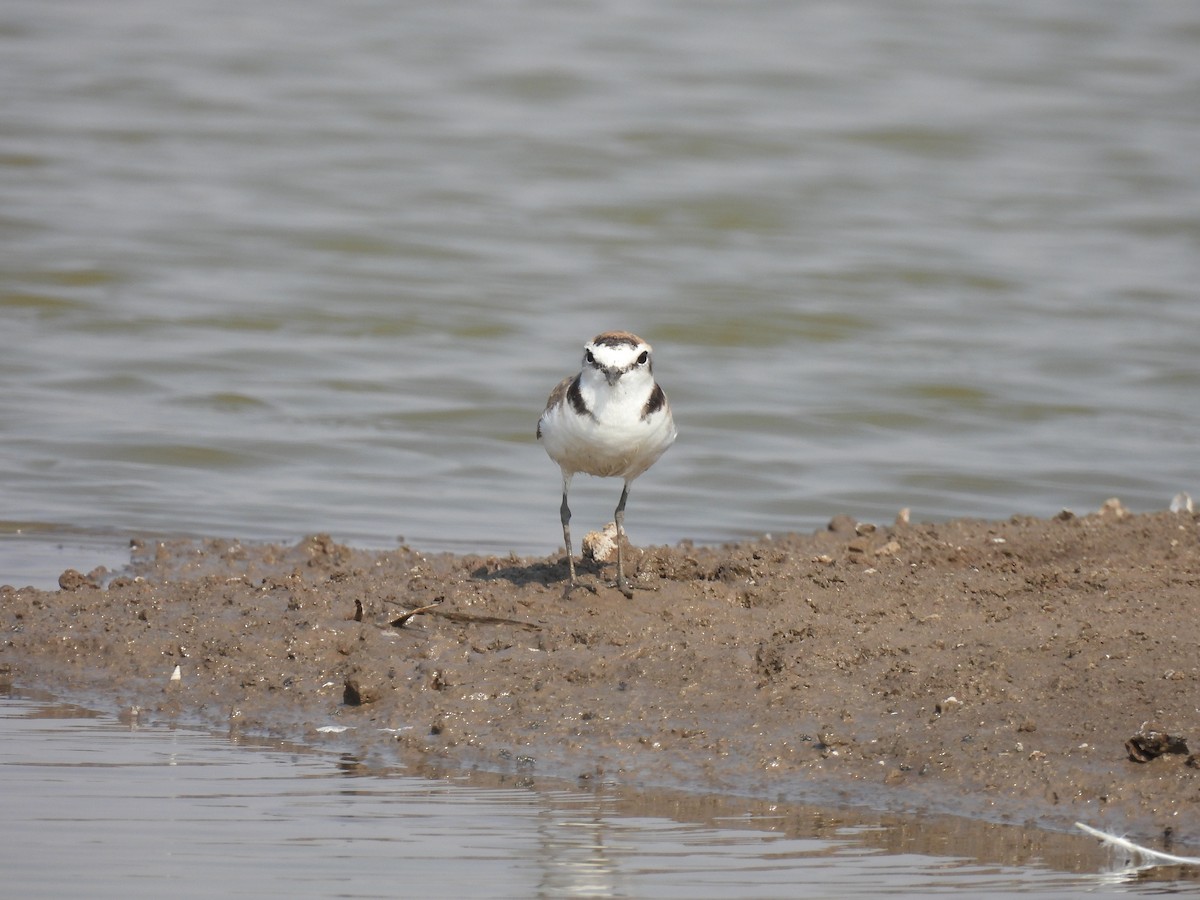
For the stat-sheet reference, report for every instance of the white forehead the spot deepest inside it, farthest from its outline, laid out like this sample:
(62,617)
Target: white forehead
(617,352)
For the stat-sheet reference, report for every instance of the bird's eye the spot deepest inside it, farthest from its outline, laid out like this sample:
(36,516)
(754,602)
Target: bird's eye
(644,358)
(589,358)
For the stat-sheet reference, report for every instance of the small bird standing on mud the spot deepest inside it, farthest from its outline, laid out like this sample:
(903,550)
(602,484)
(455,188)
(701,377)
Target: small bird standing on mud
(610,420)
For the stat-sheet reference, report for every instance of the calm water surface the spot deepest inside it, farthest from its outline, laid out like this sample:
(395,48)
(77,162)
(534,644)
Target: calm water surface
(276,268)
(103,809)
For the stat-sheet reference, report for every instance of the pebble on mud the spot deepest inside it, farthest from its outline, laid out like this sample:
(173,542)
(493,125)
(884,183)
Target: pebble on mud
(355,693)
(1152,741)
(73,580)
(1113,508)
(601,545)
(950,704)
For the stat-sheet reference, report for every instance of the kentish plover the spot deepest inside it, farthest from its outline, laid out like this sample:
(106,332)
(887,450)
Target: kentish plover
(610,420)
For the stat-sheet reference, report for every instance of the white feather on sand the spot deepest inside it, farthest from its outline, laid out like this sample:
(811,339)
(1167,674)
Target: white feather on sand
(1155,856)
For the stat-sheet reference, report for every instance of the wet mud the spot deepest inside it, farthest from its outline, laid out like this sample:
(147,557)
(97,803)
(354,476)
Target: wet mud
(1031,671)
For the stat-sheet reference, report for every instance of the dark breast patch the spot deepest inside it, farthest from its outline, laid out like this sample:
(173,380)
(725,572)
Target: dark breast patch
(575,397)
(656,401)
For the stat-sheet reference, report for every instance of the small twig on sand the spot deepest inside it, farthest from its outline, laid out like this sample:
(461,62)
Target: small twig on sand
(469,619)
(403,620)
(452,616)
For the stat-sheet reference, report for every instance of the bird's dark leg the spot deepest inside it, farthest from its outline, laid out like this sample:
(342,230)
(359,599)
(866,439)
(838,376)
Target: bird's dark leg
(564,513)
(619,517)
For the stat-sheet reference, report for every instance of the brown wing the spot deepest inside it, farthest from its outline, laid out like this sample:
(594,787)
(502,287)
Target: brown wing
(556,397)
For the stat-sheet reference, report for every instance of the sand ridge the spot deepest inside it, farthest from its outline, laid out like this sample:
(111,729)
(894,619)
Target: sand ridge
(994,669)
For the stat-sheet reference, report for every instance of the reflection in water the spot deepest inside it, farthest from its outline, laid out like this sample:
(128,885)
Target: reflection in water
(574,855)
(148,810)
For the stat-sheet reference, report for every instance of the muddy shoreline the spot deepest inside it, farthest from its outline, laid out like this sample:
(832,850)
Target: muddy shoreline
(994,670)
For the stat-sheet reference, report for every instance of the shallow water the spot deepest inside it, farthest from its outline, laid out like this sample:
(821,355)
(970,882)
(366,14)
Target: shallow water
(116,809)
(274,268)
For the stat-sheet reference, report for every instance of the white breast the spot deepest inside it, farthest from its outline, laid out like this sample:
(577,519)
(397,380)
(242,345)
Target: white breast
(614,440)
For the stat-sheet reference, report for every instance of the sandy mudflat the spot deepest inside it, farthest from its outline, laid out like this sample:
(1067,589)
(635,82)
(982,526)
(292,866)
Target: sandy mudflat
(988,669)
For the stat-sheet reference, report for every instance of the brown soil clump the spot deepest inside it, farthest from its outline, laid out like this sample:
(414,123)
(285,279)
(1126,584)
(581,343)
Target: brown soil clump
(989,669)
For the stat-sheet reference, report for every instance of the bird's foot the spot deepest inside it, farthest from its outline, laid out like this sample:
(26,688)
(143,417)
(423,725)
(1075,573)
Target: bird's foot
(573,585)
(623,585)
